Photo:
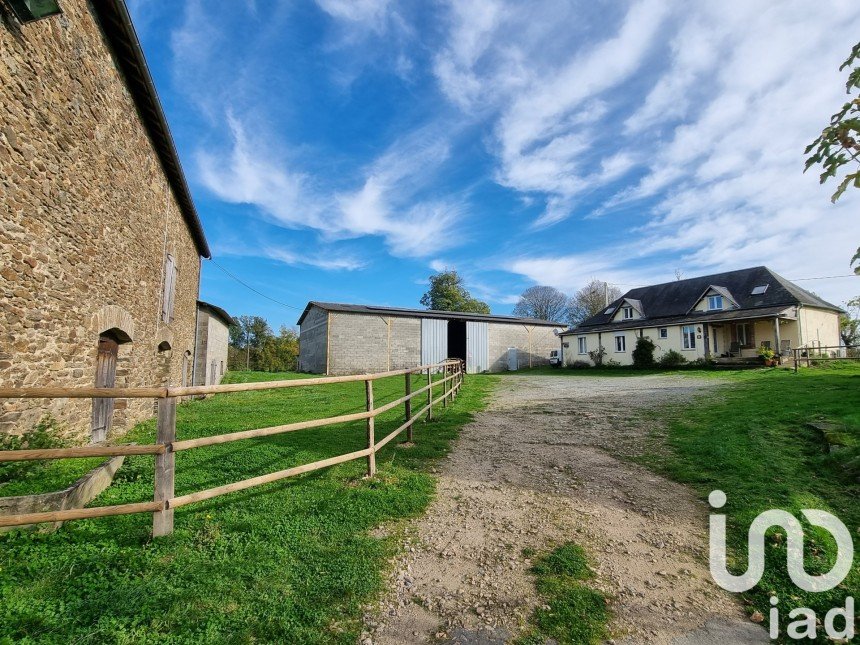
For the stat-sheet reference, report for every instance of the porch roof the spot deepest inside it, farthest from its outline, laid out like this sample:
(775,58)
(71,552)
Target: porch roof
(693,317)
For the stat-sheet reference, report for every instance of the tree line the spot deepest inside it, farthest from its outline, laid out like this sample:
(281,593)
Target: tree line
(447,292)
(255,346)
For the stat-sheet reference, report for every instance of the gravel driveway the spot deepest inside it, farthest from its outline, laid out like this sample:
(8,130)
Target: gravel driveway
(542,465)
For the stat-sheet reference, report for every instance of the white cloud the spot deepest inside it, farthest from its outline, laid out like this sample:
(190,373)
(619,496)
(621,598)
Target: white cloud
(388,204)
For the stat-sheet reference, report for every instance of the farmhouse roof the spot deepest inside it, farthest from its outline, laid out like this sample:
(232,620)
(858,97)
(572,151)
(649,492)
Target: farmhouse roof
(424,313)
(216,311)
(119,31)
(756,291)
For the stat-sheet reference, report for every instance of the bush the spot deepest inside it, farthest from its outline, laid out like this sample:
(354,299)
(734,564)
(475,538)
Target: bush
(611,363)
(579,365)
(672,359)
(643,354)
(597,356)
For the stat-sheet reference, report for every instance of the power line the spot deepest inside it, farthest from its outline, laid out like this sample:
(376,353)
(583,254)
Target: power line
(826,277)
(259,293)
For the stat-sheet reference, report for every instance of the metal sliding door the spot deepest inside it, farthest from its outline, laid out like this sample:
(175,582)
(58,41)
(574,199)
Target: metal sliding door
(477,347)
(434,340)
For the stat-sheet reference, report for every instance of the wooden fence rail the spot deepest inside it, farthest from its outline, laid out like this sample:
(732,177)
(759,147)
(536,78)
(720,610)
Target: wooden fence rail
(815,353)
(164,501)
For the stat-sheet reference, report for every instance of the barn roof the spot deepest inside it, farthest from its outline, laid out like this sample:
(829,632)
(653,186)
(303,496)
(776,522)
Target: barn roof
(118,29)
(423,313)
(216,311)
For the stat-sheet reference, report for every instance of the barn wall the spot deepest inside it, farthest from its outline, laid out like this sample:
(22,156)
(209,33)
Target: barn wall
(86,216)
(312,341)
(361,343)
(533,345)
(213,338)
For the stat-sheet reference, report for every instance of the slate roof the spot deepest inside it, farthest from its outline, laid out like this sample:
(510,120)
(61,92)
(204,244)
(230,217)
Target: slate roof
(668,303)
(216,311)
(424,313)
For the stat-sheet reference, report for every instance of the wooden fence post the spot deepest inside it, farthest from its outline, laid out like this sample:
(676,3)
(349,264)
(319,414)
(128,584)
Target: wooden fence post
(165,466)
(408,406)
(445,372)
(371,440)
(429,393)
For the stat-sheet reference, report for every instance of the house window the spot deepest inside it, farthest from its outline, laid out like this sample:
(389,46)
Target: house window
(620,343)
(715,302)
(664,332)
(743,331)
(688,334)
(628,313)
(583,345)
(167,297)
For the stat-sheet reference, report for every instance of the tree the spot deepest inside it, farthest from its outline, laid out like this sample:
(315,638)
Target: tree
(447,293)
(246,339)
(280,353)
(839,142)
(543,303)
(591,300)
(849,323)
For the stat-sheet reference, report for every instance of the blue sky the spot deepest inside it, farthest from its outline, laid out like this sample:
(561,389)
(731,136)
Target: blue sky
(344,150)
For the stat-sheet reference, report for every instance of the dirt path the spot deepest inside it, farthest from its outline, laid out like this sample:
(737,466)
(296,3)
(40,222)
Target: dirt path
(541,466)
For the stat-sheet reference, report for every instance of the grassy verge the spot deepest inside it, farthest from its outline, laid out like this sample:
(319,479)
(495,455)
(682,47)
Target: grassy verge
(573,612)
(752,440)
(292,561)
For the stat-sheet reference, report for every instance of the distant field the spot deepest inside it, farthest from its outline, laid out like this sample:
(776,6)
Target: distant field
(290,561)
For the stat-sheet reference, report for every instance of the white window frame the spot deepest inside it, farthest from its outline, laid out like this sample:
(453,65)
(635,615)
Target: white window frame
(582,345)
(663,332)
(712,300)
(688,337)
(623,343)
(628,312)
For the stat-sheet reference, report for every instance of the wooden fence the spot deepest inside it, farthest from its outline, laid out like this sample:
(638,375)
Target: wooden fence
(166,445)
(815,353)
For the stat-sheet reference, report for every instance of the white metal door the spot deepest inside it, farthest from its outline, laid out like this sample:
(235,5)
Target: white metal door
(513,363)
(434,340)
(477,347)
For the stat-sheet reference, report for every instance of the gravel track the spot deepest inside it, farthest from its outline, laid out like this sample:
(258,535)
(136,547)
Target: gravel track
(545,463)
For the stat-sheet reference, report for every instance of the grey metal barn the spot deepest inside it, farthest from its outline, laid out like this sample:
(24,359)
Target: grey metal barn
(339,339)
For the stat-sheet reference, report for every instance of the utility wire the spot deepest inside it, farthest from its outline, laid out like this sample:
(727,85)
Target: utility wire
(259,293)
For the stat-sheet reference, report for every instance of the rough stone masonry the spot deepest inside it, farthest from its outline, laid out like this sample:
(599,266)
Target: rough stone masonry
(87,217)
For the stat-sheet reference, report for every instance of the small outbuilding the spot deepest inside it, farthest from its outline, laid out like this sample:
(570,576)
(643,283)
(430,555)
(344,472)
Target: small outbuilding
(339,339)
(213,339)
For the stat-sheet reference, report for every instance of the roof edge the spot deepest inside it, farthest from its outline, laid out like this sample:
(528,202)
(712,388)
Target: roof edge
(120,33)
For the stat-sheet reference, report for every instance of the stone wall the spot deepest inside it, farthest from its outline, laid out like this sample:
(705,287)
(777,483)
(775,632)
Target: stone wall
(86,218)
(533,344)
(313,342)
(213,338)
(360,343)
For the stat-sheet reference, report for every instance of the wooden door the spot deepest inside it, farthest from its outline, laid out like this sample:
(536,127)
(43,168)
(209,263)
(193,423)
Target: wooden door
(105,377)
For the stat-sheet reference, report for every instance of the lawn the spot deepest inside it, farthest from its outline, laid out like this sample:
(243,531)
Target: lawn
(752,440)
(292,561)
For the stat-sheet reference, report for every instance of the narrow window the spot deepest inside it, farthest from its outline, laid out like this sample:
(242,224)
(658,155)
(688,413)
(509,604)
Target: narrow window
(689,336)
(664,332)
(222,368)
(628,313)
(583,345)
(715,302)
(167,297)
(620,344)
(743,334)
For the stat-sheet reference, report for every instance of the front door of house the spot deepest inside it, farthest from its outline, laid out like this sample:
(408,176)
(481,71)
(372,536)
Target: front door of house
(105,377)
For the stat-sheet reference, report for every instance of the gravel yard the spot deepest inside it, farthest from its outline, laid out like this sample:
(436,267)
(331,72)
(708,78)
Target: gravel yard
(541,466)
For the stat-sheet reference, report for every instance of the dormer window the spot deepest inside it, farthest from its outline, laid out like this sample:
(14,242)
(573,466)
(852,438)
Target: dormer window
(628,312)
(715,303)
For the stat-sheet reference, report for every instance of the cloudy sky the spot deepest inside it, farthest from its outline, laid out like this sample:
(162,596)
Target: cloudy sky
(343,150)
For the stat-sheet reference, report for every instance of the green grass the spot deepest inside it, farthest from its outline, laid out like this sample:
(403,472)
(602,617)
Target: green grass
(292,561)
(751,440)
(573,612)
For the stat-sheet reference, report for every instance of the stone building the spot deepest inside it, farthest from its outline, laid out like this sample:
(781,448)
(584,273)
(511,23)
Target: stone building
(100,243)
(338,339)
(213,339)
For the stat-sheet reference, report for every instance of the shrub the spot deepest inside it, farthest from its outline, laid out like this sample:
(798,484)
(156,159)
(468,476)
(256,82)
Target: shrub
(672,359)
(611,363)
(44,435)
(579,365)
(597,356)
(643,354)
